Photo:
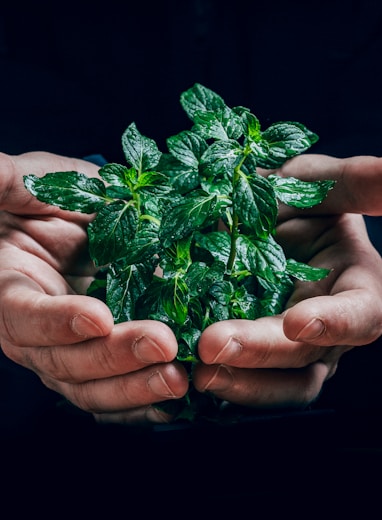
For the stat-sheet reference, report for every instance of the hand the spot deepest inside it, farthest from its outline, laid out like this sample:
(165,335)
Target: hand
(358,185)
(284,360)
(49,326)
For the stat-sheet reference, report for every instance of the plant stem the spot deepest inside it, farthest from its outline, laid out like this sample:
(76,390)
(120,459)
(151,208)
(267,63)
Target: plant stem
(235,218)
(234,235)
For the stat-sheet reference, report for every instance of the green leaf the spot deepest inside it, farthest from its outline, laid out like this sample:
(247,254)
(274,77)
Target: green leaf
(177,257)
(221,158)
(143,246)
(97,288)
(222,124)
(141,152)
(305,272)
(245,305)
(68,190)
(115,174)
(253,126)
(190,214)
(262,257)
(218,312)
(188,343)
(153,206)
(150,306)
(249,166)
(196,313)
(200,99)
(311,136)
(153,184)
(216,242)
(276,295)
(219,187)
(218,245)
(298,193)
(222,291)
(114,225)
(255,203)
(175,297)
(118,192)
(285,139)
(171,294)
(182,177)
(200,277)
(187,147)
(125,285)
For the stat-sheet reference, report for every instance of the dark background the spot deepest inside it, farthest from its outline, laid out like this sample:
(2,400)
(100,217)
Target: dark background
(74,75)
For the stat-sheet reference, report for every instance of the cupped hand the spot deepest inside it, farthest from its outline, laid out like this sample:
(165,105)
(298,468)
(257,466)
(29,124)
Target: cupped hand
(49,325)
(284,360)
(358,184)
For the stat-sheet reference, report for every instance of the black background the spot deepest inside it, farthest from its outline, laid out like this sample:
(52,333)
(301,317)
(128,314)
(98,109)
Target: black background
(73,76)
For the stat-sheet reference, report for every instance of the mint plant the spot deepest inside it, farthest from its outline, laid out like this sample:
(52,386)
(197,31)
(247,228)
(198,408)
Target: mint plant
(188,236)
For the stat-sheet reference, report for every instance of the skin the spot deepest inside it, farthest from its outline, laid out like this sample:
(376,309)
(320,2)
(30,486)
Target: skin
(47,325)
(117,372)
(358,182)
(324,319)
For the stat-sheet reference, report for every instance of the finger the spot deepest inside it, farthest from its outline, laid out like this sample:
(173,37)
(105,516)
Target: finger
(29,317)
(254,344)
(42,249)
(358,181)
(136,417)
(127,348)
(129,391)
(13,168)
(349,318)
(262,388)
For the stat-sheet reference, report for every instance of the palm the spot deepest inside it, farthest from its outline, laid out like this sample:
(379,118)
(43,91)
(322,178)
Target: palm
(44,242)
(341,244)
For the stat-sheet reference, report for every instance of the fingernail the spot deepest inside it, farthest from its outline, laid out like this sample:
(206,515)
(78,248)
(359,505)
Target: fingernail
(231,350)
(148,351)
(159,386)
(155,415)
(222,379)
(84,326)
(312,330)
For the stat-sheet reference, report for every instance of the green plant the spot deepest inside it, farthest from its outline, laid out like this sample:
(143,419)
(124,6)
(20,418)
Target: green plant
(187,237)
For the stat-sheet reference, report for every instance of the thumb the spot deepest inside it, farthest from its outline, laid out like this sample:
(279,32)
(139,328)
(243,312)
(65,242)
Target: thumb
(31,318)
(358,179)
(14,197)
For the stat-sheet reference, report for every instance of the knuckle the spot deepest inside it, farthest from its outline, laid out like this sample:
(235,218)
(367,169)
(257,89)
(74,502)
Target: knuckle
(312,381)
(49,361)
(84,397)
(7,167)
(103,356)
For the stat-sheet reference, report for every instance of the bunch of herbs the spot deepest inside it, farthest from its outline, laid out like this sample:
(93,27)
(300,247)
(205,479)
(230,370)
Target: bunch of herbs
(188,237)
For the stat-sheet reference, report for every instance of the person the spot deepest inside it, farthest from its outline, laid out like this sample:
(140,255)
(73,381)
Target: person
(74,76)
(118,372)
(78,99)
